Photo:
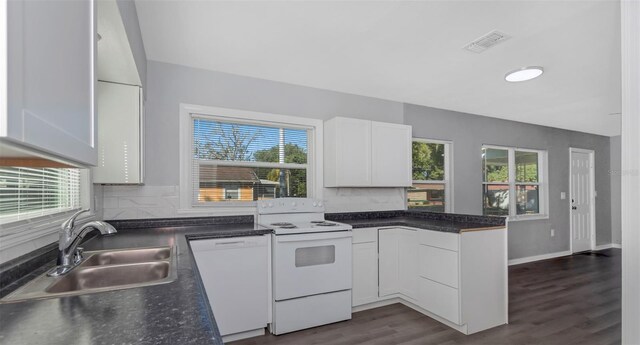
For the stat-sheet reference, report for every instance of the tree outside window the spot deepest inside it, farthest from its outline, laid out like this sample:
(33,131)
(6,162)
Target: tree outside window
(429,191)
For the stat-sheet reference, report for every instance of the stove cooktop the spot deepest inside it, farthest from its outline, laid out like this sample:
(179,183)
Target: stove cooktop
(307,226)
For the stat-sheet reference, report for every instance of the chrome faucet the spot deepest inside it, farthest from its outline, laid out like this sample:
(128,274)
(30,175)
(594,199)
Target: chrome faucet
(69,255)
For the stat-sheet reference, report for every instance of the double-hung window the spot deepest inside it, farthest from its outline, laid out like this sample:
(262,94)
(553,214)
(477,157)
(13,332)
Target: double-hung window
(431,174)
(241,160)
(30,192)
(514,182)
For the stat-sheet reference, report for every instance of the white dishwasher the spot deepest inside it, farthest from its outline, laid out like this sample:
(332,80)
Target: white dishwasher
(235,273)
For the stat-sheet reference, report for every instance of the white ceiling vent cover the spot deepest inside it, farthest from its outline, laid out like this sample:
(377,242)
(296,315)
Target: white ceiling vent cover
(486,41)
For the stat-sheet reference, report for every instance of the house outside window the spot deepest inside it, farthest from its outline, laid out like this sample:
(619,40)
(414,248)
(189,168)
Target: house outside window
(234,158)
(514,172)
(431,190)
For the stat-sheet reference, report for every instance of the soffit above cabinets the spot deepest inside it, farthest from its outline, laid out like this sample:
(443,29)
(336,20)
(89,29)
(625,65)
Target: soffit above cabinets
(410,52)
(115,59)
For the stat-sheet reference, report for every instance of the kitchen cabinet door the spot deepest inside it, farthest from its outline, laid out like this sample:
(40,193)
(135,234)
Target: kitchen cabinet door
(50,54)
(398,262)
(439,299)
(389,255)
(390,155)
(408,262)
(347,153)
(439,265)
(119,134)
(365,273)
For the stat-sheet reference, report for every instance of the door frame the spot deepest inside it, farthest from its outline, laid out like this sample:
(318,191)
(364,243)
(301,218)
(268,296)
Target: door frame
(592,187)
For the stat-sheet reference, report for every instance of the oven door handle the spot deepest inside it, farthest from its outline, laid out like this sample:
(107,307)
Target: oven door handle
(313,236)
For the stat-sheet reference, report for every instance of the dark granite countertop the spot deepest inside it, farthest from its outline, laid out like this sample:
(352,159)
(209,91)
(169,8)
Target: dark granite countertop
(445,222)
(173,313)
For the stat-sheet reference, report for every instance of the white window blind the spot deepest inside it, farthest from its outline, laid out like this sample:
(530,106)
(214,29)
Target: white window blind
(244,162)
(33,192)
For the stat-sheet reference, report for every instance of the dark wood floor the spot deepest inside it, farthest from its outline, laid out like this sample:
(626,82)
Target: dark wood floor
(570,300)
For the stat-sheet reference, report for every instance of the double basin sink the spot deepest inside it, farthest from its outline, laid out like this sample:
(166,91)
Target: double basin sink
(105,270)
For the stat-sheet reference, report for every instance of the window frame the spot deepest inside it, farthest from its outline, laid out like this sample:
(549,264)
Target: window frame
(543,195)
(448,174)
(189,111)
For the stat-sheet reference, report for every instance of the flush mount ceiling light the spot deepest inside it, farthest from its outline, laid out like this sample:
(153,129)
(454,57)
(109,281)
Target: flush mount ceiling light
(524,73)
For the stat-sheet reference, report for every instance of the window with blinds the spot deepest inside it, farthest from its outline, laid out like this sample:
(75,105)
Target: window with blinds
(32,192)
(245,162)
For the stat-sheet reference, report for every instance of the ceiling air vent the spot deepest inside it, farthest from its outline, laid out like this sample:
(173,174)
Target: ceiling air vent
(486,41)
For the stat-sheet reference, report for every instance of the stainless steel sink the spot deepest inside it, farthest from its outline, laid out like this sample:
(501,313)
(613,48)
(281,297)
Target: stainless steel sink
(105,270)
(127,256)
(107,276)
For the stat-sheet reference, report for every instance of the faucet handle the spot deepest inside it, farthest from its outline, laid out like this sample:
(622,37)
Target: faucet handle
(78,255)
(70,223)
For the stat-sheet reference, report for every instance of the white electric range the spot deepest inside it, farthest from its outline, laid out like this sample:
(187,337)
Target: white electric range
(311,264)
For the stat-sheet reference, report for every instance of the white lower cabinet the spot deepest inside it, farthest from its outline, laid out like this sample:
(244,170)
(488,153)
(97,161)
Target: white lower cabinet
(388,262)
(398,264)
(365,273)
(439,299)
(235,274)
(440,265)
(459,278)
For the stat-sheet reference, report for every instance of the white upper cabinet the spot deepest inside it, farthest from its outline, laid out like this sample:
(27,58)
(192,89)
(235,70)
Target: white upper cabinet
(119,139)
(390,154)
(347,161)
(362,153)
(49,85)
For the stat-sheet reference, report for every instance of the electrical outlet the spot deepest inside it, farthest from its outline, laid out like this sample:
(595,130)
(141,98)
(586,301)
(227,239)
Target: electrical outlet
(553,232)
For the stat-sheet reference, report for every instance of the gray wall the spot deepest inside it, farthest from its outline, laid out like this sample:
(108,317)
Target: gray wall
(469,132)
(169,85)
(134,35)
(616,189)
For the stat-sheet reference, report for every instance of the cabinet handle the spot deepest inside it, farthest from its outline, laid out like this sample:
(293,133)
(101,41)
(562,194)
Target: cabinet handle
(229,243)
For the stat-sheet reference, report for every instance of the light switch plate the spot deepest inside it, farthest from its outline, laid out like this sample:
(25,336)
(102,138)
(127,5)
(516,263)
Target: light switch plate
(563,195)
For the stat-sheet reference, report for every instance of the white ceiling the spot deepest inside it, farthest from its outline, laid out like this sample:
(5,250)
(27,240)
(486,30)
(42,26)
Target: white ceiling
(410,52)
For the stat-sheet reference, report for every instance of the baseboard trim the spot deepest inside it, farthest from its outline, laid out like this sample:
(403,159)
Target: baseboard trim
(607,246)
(243,335)
(538,257)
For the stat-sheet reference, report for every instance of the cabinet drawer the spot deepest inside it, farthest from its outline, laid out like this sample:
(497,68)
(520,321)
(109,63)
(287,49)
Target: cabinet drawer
(439,299)
(439,239)
(439,264)
(365,235)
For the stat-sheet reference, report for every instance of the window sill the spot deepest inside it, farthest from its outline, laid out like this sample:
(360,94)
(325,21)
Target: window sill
(218,210)
(24,231)
(524,218)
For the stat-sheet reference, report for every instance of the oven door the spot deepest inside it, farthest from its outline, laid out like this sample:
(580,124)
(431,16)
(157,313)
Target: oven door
(310,264)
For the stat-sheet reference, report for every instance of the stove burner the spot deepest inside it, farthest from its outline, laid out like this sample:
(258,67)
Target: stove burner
(317,221)
(325,224)
(284,225)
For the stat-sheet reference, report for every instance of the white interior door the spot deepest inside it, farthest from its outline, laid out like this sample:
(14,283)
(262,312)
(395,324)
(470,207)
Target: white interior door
(581,201)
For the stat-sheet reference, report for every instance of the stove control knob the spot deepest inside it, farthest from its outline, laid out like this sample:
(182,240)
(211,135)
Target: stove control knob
(293,204)
(270,204)
(315,204)
(264,204)
(320,204)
